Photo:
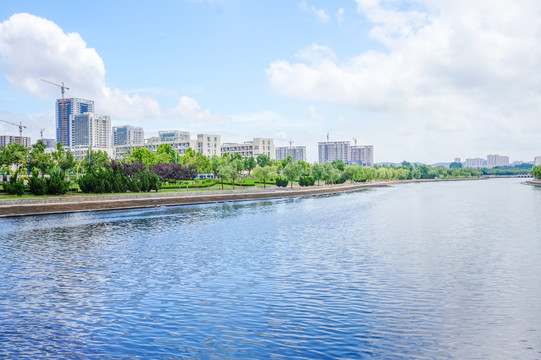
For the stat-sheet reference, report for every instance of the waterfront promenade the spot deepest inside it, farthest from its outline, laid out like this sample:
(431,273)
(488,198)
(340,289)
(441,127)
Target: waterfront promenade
(79,203)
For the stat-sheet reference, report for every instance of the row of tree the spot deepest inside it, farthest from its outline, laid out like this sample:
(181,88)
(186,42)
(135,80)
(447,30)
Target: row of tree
(143,170)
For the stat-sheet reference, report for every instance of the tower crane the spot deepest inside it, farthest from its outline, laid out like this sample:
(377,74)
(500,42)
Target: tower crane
(290,143)
(41,132)
(62,87)
(355,139)
(20,126)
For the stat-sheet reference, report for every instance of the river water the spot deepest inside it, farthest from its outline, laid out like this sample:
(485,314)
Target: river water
(417,271)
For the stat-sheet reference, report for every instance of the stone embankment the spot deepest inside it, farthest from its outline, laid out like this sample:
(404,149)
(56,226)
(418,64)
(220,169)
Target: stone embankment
(79,203)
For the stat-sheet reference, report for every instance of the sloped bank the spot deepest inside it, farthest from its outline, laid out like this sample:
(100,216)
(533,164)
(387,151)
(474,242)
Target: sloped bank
(81,203)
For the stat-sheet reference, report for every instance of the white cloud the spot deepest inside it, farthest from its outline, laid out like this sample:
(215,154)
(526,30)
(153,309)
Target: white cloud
(340,15)
(188,109)
(319,13)
(35,48)
(466,70)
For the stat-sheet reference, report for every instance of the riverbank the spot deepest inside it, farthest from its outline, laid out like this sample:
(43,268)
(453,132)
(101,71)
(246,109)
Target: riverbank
(83,203)
(533,182)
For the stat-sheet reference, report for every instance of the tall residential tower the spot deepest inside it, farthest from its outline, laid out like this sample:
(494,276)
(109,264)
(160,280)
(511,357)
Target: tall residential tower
(65,108)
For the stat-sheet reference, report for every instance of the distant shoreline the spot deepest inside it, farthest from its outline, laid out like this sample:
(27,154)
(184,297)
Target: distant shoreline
(85,203)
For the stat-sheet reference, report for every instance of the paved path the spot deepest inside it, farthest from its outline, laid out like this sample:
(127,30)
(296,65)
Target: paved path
(77,203)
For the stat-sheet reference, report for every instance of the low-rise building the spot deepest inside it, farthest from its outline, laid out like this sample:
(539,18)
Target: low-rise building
(128,135)
(253,148)
(174,136)
(8,139)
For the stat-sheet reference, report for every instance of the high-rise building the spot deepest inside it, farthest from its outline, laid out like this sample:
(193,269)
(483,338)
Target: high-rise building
(362,154)
(330,151)
(476,163)
(297,152)
(8,139)
(497,160)
(90,130)
(537,161)
(65,108)
(128,135)
(174,136)
(209,145)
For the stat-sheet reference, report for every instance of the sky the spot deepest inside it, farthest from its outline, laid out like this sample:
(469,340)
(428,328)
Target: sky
(427,80)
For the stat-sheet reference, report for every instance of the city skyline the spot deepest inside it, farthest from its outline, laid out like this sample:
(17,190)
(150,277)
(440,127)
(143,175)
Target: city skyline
(418,81)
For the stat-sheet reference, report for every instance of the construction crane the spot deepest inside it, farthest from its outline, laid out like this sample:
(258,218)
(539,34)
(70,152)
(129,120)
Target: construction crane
(290,143)
(355,139)
(62,87)
(21,126)
(41,132)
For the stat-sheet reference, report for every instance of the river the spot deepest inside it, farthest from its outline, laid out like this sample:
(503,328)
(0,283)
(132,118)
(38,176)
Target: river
(417,271)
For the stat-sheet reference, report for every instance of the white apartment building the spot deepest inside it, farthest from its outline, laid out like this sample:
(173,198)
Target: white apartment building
(90,130)
(497,160)
(8,139)
(362,154)
(152,145)
(297,152)
(128,135)
(209,145)
(329,151)
(537,161)
(475,163)
(253,148)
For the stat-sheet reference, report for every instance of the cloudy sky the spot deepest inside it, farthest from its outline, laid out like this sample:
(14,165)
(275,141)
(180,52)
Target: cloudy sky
(421,80)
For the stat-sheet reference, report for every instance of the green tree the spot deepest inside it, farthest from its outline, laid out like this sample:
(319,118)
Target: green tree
(330,174)
(317,172)
(39,159)
(292,171)
(265,173)
(249,164)
(13,154)
(143,155)
(165,154)
(536,172)
(227,172)
(202,163)
(263,160)
(215,163)
(339,165)
(288,159)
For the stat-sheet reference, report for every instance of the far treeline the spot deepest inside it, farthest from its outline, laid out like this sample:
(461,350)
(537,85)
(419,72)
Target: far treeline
(58,172)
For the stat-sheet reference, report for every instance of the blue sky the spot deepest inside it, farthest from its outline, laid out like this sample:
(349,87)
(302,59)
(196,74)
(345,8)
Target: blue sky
(420,80)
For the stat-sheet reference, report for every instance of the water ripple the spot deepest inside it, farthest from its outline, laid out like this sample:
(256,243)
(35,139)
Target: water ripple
(420,271)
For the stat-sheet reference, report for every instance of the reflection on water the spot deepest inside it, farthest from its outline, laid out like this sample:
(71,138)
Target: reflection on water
(435,270)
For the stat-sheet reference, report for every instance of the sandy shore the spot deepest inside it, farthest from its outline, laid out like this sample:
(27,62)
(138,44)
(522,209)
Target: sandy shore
(80,203)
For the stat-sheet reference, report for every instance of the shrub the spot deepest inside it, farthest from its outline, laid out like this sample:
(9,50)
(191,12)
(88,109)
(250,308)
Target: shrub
(38,186)
(56,185)
(306,181)
(281,182)
(14,186)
